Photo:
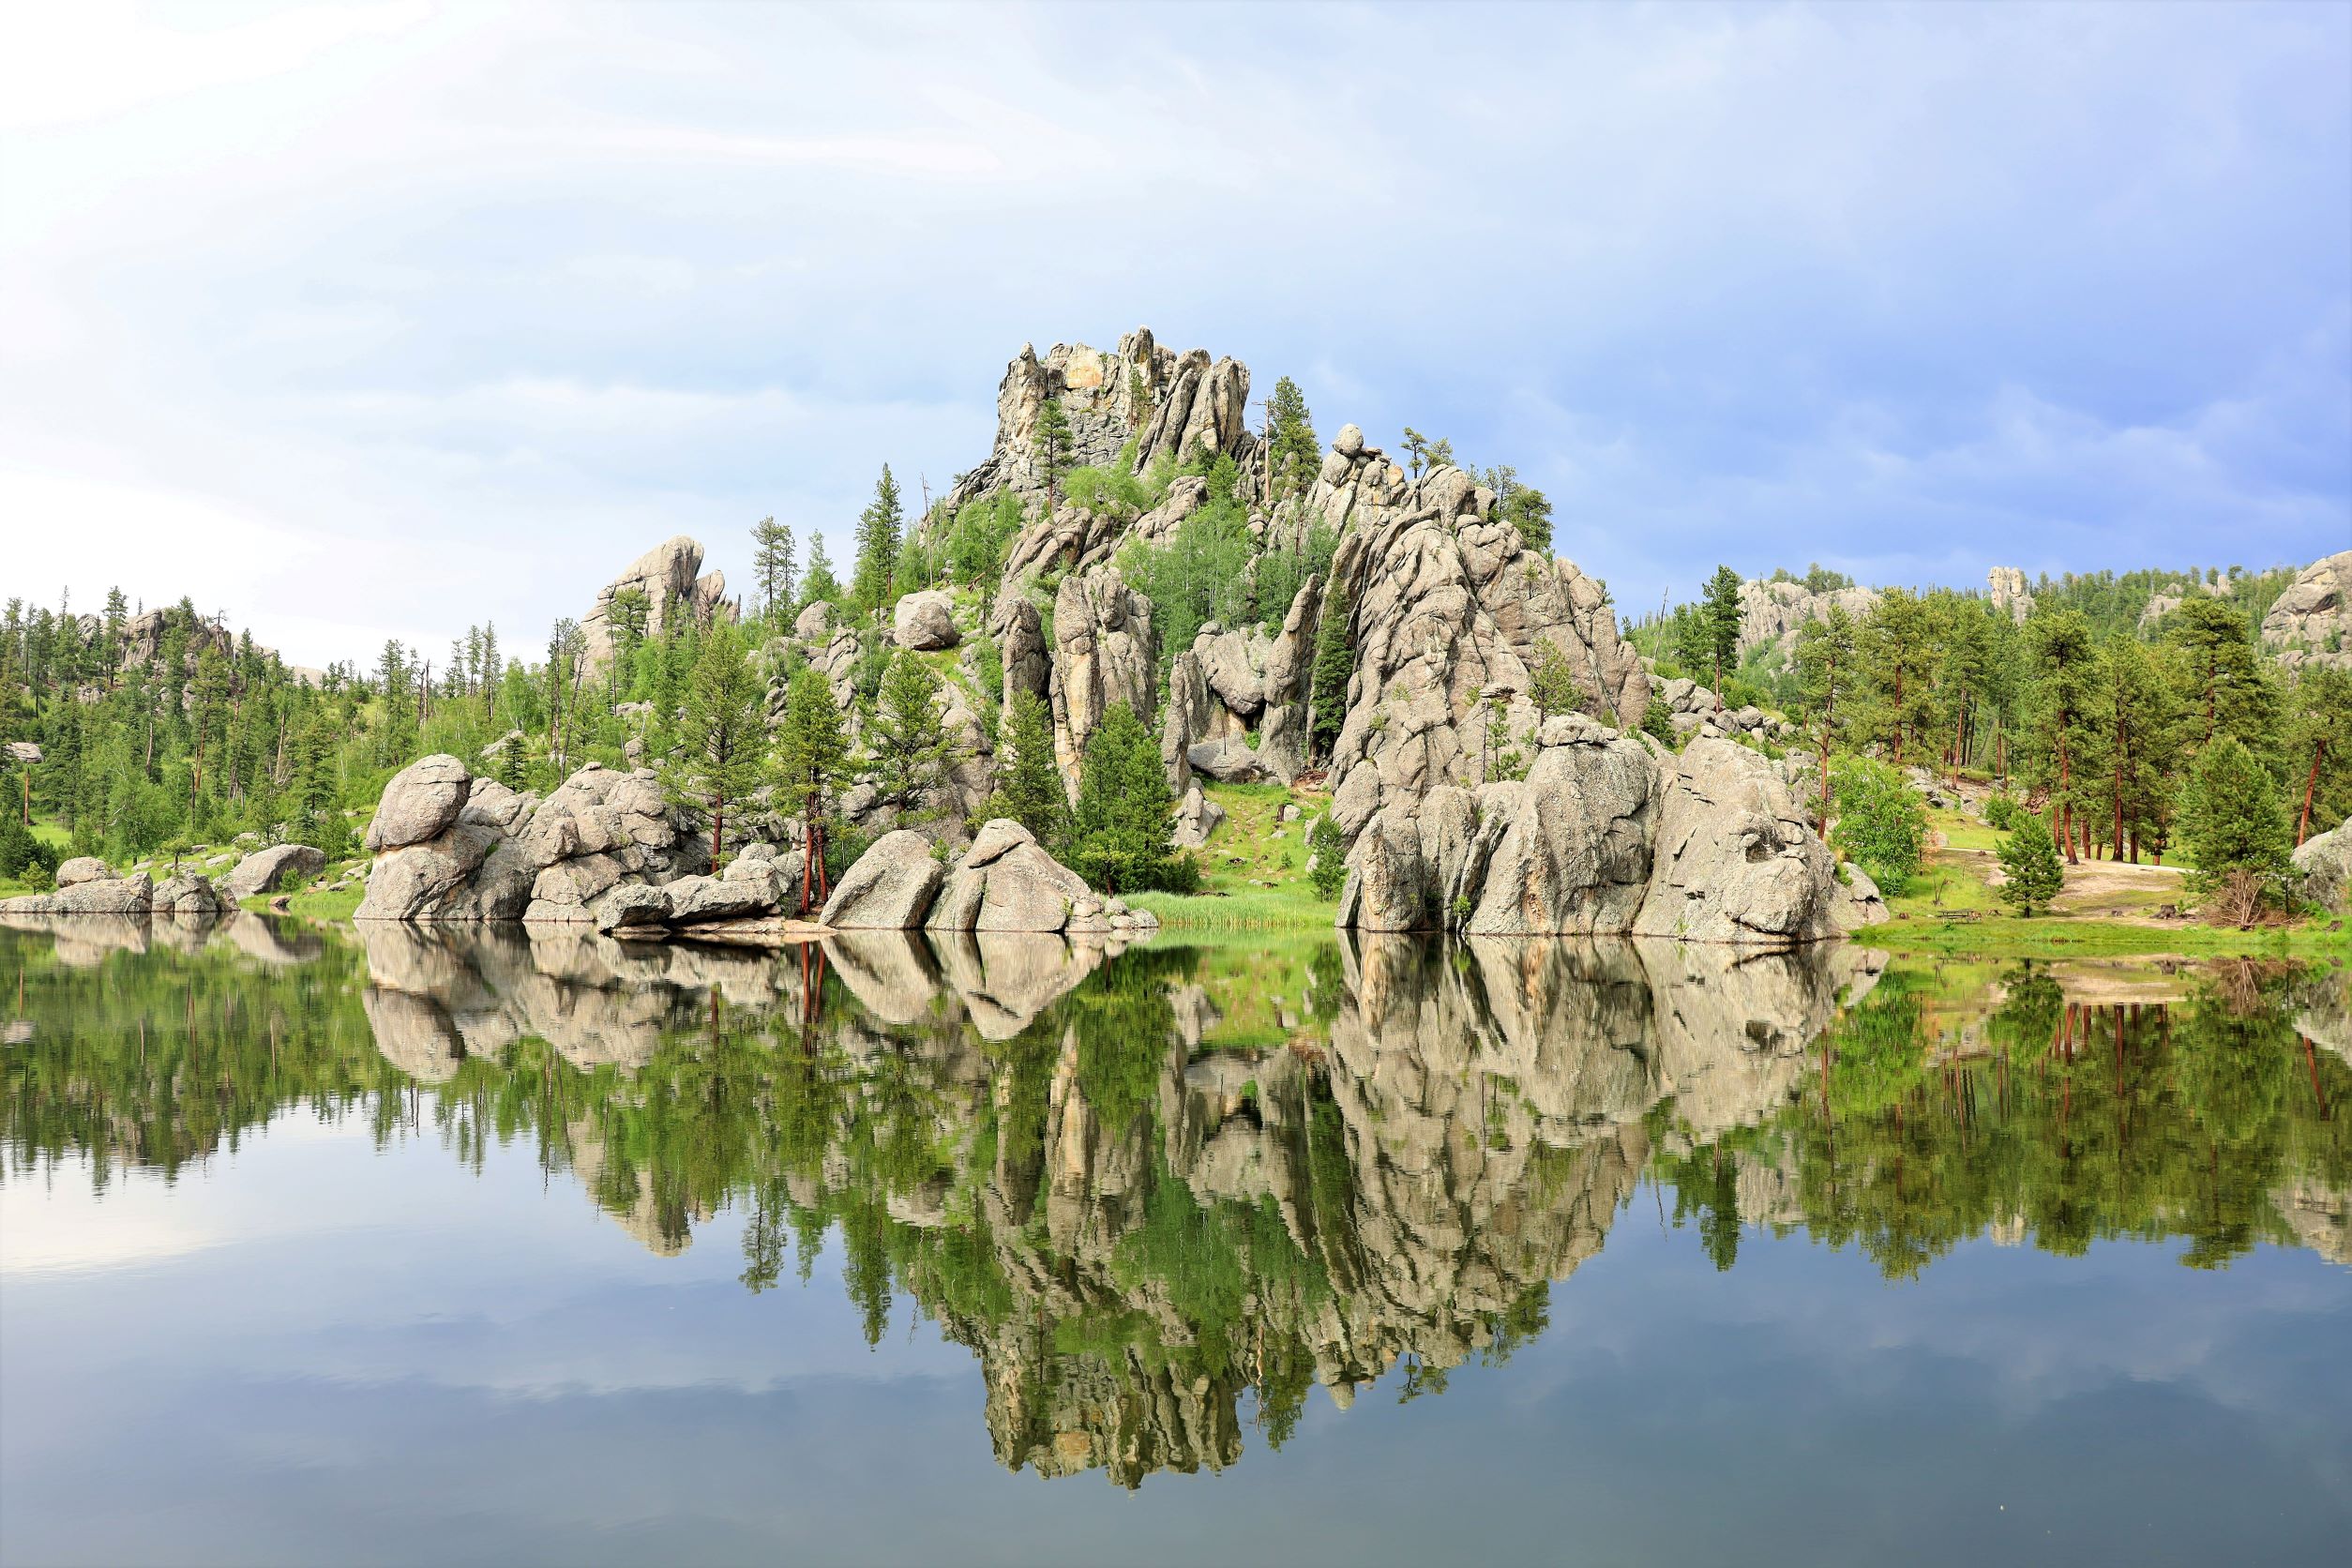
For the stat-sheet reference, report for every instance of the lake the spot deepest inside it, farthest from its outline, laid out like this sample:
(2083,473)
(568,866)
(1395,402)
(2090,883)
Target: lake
(470,1245)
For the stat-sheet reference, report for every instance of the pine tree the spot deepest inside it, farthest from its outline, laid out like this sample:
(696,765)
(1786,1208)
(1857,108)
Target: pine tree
(2225,685)
(1033,794)
(1552,685)
(906,740)
(1120,831)
(819,585)
(1722,609)
(1294,454)
(2029,861)
(1334,665)
(2065,670)
(1052,439)
(1825,667)
(771,566)
(2321,729)
(2236,828)
(722,732)
(1416,451)
(878,540)
(812,757)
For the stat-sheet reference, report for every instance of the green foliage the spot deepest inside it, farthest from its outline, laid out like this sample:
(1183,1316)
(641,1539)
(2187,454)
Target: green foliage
(820,586)
(722,749)
(1031,791)
(2001,811)
(1120,831)
(1328,869)
(877,542)
(1112,493)
(1723,621)
(812,747)
(2232,818)
(1335,666)
(906,741)
(2029,859)
(981,535)
(1552,686)
(1202,573)
(773,567)
(1052,439)
(1523,506)
(1881,821)
(1293,455)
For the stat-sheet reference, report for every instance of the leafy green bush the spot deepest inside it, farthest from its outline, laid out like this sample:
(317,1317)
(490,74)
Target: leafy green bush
(2002,812)
(2029,857)
(1881,821)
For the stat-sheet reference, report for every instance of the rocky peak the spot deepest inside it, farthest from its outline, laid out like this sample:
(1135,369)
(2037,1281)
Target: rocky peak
(668,576)
(2007,585)
(1168,404)
(1775,611)
(2312,622)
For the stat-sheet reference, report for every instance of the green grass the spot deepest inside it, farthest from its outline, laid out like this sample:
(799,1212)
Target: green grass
(1251,847)
(2063,936)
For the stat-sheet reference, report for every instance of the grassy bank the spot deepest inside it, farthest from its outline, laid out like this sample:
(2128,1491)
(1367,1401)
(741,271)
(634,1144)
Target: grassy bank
(1253,871)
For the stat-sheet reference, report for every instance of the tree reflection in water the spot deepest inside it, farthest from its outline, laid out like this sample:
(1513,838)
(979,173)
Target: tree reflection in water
(1144,1186)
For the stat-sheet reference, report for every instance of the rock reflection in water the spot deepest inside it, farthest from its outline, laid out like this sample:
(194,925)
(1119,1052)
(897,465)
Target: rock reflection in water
(1163,1192)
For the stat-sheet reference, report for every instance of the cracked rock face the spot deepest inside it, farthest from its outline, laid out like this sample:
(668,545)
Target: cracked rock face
(1775,611)
(2312,622)
(1103,652)
(1608,834)
(1448,608)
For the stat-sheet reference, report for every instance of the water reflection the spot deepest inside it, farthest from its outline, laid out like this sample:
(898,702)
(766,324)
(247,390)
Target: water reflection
(1162,1194)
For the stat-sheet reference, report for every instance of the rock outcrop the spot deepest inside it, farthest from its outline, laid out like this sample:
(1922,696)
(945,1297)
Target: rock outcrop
(1167,404)
(2312,622)
(1448,606)
(1693,709)
(267,871)
(121,896)
(453,846)
(2006,585)
(890,888)
(82,869)
(1103,652)
(1774,612)
(666,577)
(1608,834)
(2323,864)
(1005,882)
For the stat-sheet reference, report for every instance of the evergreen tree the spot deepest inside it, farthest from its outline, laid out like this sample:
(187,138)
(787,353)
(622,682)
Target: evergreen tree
(2134,721)
(771,566)
(1293,455)
(1334,665)
(820,586)
(1899,652)
(906,739)
(1416,451)
(1120,831)
(2062,695)
(1033,794)
(1825,663)
(878,540)
(1723,622)
(2235,829)
(812,757)
(1552,685)
(2226,686)
(2321,729)
(1523,506)
(2028,857)
(722,733)
(1052,439)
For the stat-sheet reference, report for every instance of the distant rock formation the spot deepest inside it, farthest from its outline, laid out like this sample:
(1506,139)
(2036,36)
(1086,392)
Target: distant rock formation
(1774,612)
(1608,835)
(1167,404)
(2006,586)
(2312,622)
(666,576)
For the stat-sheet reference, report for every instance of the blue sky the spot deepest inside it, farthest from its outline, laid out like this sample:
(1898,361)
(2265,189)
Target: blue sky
(375,321)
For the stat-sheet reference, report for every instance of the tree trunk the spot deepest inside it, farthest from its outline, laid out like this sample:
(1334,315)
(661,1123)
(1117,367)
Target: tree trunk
(2310,784)
(718,823)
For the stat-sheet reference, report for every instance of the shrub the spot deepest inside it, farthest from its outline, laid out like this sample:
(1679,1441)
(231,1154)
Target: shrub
(2002,812)
(1327,868)
(1881,821)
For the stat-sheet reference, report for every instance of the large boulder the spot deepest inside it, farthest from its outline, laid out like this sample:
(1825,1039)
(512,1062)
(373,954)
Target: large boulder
(1006,882)
(267,871)
(82,869)
(2323,863)
(422,800)
(925,622)
(891,886)
(1735,860)
(187,894)
(1573,850)
(132,895)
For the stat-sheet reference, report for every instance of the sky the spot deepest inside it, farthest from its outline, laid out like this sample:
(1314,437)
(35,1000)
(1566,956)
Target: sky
(378,321)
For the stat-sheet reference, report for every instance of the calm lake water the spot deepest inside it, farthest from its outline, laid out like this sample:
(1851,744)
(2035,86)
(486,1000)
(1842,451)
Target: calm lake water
(466,1247)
